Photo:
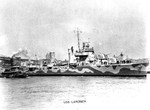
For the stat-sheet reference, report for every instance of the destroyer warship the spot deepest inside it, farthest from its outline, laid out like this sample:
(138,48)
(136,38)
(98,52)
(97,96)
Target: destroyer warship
(85,62)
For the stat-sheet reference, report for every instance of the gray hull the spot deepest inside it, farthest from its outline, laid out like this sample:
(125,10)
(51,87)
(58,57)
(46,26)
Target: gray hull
(138,69)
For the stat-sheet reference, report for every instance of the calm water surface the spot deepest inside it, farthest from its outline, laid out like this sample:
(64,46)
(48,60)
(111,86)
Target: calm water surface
(75,93)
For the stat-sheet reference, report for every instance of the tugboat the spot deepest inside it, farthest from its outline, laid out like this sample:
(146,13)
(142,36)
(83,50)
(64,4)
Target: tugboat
(85,62)
(14,72)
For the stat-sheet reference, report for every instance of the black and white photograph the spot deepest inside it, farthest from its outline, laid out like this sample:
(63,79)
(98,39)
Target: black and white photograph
(74,55)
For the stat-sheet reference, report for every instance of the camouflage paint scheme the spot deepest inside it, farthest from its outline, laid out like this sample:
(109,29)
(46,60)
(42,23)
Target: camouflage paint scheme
(138,69)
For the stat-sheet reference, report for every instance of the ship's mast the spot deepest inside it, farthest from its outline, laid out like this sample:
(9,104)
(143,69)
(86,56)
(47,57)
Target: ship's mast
(78,36)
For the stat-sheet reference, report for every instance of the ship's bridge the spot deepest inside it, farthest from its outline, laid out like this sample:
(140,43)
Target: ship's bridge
(78,54)
(81,55)
(85,52)
(87,48)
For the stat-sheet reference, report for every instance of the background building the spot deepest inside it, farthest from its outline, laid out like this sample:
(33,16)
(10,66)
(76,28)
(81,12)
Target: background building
(50,57)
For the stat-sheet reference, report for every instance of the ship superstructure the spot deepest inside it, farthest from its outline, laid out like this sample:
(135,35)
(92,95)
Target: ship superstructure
(84,62)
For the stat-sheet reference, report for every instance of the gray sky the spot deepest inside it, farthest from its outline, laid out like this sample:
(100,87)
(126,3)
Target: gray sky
(41,26)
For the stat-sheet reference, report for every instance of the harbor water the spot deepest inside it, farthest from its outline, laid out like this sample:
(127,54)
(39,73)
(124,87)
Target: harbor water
(75,93)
